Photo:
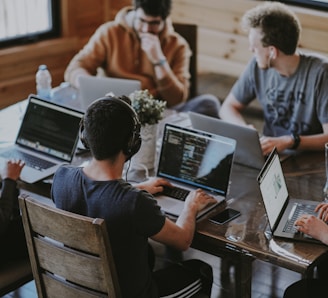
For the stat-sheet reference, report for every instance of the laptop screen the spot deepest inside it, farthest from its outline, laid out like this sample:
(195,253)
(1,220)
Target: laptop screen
(273,187)
(94,87)
(49,129)
(196,158)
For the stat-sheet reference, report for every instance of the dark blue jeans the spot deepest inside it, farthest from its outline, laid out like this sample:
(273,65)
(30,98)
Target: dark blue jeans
(206,104)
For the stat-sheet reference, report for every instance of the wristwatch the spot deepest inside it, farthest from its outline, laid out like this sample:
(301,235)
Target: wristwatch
(160,62)
(296,139)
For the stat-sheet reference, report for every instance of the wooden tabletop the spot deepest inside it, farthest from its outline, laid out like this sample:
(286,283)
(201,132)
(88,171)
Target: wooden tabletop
(248,237)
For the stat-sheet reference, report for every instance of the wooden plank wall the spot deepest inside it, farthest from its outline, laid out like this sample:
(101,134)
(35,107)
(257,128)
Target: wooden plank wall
(222,46)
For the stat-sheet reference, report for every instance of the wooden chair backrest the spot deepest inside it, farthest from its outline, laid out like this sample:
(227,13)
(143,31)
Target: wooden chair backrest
(189,33)
(70,254)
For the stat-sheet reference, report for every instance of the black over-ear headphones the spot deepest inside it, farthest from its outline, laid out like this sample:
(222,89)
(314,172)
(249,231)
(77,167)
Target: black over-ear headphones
(134,142)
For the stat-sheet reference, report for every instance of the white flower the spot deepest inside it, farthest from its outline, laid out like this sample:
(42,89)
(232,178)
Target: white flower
(148,109)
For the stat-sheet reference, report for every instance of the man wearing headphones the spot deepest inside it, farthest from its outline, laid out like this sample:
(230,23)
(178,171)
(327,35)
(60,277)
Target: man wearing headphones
(292,87)
(110,129)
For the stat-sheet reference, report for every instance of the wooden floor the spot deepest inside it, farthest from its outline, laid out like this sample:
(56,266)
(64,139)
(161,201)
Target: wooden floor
(268,281)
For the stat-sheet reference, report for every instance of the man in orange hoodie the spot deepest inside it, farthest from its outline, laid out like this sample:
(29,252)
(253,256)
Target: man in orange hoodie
(141,44)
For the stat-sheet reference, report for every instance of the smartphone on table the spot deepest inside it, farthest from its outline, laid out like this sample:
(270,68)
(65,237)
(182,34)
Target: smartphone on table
(225,216)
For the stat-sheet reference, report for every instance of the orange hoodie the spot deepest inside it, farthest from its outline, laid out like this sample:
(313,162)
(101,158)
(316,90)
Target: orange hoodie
(115,48)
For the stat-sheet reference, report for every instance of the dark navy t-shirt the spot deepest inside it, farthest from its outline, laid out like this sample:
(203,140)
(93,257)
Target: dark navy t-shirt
(131,216)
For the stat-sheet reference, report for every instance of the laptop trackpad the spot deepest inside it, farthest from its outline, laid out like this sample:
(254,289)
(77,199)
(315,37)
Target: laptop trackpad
(169,205)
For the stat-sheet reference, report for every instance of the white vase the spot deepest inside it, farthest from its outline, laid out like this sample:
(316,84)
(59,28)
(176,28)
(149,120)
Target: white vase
(145,157)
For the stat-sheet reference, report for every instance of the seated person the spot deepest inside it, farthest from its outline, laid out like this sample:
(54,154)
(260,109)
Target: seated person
(13,245)
(290,86)
(141,44)
(317,228)
(111,130)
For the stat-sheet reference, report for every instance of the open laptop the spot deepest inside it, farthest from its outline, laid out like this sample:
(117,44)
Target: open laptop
(47,138)
(94,87)
(282,211)
(192,159)
(248,151)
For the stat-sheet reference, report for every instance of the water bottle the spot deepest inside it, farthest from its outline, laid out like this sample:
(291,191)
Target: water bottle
(325,188)
(43,82)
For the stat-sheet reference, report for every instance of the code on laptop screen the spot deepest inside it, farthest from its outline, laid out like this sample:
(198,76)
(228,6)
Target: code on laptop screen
(196,158)
(49,129)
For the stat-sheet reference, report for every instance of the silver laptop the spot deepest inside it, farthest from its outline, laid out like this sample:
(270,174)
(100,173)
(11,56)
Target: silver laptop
(94,87)
(192,159)
(248,151)
(282,211)
(47,138)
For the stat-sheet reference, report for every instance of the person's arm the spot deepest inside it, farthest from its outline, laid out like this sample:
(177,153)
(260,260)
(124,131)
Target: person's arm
(10,173)
(181,233)
(172,77)
(8,196)
(311,142)
(231,110)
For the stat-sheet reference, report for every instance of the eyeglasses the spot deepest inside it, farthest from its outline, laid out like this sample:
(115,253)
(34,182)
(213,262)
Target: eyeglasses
(153,24)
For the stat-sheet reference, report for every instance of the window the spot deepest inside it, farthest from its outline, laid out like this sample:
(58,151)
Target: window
(316,4)
(24,21)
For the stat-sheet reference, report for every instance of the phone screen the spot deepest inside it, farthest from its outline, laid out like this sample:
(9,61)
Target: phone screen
(225,216)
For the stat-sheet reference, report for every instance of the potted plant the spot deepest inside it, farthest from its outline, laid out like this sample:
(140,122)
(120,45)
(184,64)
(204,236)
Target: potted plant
(148,109)
(150,112)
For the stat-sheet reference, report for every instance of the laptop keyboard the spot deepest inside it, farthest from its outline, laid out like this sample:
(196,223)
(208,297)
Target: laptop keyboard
(30,160)
(175,192)
(299,209)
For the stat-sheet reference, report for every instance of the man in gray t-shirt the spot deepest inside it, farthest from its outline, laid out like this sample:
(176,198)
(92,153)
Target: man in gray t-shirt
(291,87)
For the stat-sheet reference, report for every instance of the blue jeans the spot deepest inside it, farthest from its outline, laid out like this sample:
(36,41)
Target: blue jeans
(206,104)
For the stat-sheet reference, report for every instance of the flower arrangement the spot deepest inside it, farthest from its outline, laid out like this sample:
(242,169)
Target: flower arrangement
(148,109)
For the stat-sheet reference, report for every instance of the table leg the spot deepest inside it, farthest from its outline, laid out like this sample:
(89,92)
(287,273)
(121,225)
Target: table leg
(243,277)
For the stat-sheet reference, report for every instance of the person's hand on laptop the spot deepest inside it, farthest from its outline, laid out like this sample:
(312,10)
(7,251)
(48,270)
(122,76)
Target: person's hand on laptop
(281,143)
(198,200)
(313,226)
(316,227)
(12,169)
(154,185)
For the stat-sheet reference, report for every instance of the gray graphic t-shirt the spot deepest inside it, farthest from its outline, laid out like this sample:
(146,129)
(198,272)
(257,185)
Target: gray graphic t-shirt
(298,103)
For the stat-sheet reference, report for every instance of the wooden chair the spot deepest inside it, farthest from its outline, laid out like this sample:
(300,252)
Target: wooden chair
(70,254)
(189,33)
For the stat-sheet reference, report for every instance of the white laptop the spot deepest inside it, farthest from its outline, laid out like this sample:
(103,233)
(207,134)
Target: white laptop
(94,87)
(282,211)
(192,159)
(248,152)
(47,138)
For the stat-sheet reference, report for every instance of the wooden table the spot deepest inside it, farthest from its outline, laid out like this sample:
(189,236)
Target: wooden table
(246,238)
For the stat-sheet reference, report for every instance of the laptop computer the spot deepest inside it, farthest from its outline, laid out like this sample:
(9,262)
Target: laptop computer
(192,159)
(281,209)
(46,139)
(248,151)
(94,87)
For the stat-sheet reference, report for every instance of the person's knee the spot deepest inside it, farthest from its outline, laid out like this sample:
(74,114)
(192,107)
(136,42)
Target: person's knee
(306,288)
(206,104)
(204,270)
